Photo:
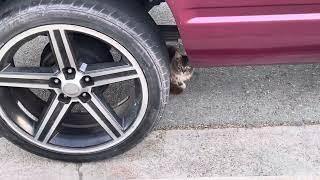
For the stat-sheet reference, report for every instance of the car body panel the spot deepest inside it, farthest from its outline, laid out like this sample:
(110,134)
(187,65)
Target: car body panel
(249,32)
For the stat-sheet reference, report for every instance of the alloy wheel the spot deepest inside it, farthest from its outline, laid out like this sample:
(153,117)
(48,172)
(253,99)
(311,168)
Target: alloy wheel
(72,81)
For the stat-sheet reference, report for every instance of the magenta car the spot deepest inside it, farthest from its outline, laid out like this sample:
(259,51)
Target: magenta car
(84,80)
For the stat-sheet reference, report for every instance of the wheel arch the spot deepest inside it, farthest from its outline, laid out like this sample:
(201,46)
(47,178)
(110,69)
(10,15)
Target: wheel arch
(148,4)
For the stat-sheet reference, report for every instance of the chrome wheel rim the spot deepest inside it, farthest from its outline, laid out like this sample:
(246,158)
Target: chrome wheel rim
(72,82)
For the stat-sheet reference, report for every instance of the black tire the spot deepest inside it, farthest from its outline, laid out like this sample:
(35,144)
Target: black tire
(124,21)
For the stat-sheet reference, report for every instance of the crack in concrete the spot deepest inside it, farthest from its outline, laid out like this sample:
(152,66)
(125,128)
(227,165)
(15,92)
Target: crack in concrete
(80,174)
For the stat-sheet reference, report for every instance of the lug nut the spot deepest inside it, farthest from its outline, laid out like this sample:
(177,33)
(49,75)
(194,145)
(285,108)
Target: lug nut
(70,71)
(87,79)
(56,81)
(64,98)
(85,97)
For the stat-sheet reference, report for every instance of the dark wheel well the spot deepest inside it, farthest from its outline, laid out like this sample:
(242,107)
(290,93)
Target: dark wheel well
(148,4)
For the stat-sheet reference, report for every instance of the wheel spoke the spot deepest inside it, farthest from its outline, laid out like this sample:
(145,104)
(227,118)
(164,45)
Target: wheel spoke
(104,115)
(25,78)
(62,49)
(51,119)
(108,69)
(112,80)
(108,112)
(111,73)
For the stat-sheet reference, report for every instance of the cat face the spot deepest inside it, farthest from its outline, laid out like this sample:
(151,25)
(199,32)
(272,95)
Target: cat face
(181,64)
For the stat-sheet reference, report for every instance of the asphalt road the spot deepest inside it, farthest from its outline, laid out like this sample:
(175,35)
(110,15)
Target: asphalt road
(247,97)
(188,142)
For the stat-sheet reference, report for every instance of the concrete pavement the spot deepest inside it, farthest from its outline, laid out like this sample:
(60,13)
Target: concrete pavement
(220,152)
(275,151)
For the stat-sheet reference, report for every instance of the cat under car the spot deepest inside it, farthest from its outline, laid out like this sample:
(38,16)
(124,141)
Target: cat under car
(181,70)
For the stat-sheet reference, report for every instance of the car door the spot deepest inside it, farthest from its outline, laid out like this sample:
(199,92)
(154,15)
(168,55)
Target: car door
(240,32)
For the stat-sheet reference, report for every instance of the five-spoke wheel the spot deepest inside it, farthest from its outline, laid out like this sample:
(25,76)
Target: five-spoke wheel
(72,81)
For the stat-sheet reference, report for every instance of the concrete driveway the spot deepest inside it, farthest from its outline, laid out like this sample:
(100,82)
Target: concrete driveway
(276,151)
(234,121)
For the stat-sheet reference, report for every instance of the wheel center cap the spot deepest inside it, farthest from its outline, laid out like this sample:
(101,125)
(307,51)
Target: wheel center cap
(71,90)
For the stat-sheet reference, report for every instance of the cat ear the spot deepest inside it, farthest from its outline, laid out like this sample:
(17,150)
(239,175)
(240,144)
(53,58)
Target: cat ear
(178,56)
